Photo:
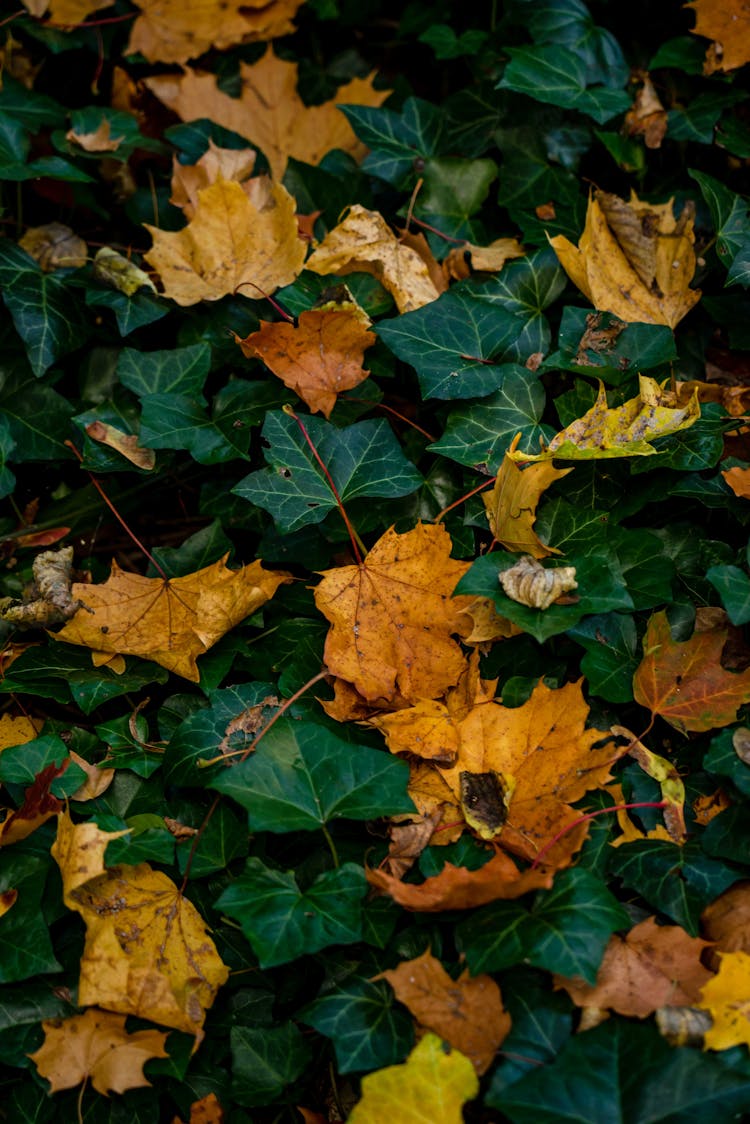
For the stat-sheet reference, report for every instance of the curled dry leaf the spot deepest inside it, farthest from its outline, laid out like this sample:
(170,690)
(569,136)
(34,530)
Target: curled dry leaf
(683,1026)
(101,140)
(528,583)
(484,259)
(633,259)
(126,444)
(97,780)
(269,111)
(178,30)
(466,1012)
(54,246)
(229,244)
(741,744)
(726,22)
(512,503)
(170,621)
(667,777)
(120,273)
(50,600)
(96,1046)
(647,117)
(363,242)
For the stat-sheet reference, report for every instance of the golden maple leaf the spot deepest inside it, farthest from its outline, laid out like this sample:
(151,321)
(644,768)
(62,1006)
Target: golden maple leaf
(364,243)
(727,22)
(96,1045)
(269,111)
(147,950)
(620,431)
(230,242)
(319,358)
(512,503)
(66,12)
(171,621)
(432,1084)
(727,997)
(392,617)
(215,164)
(467,1012)
(178,30)
(633,259)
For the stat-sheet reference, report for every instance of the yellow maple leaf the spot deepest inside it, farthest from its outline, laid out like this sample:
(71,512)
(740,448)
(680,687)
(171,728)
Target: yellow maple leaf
(364,243)
(230,242)
(178,30)
(512,503)
(169,621)
(633,259)
(17,729)
(620,431)
(66,12)
(727,997)
(269,111)
(96,1045)
(147,950)
(432,1084)
(215,164)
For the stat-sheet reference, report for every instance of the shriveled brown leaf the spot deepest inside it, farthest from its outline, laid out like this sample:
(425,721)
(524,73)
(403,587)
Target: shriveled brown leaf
(97,781)
(126,444)
(54,246)
(647,117)
(100,140)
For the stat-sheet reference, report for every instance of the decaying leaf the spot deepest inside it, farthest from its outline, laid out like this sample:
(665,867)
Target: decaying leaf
(178,30)
(620,431)
(407,841)
(726,922)
(466,1012)
(652,966)
(97,780)
(126,444)
(738,480)
(100,140)
(727,23)
(17,729)
(484,624)
(96,1046)
(683,1026)
(512,503)
(66,12)
(38,806)
(665,774)
(207,1110)
(54,246)
(120,273)
(647,117)
(685,682)
(393,615)
(741,744)
(530,584)
(231,244)
(269,111)
(170,621)
(363,242)
(481,259)
(319,358)
(432,1084)
(50,601)
(633,259)
(727,997)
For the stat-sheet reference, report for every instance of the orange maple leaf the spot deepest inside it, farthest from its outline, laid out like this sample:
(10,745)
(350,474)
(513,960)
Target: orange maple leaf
(318,359)
(178,30)
(392,617)
(466,1012)
(685,682)
(652,966)
(269,111)
(169,621)
(738,480)
(96,1045)
(231,242)
(726,921)
(512,503)
(727,22)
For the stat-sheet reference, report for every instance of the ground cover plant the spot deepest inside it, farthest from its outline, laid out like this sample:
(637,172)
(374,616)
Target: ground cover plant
(375,478)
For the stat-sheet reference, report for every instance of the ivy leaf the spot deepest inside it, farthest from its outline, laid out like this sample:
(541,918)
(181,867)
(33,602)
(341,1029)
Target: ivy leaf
(363,459)
(182,370)
(302,776)
(176,421)
(525,287)
(454,190)
(611,643)
(558,75)
(283,922)
(366,1024)
(396,140)
(597,343)
(542,1023)
(730,219)
(25,946)
(733,586)
(265,1060)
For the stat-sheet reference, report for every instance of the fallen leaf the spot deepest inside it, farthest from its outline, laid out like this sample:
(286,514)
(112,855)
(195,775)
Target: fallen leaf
(708,807)
(466,1012)
(407,841)
(66,12)
(432,1084)
(49,601)
(171,621)
(528,583)
(421,246)
(96,1045)
(97,780)
(392,617)
(269,111)
(665,774)
(229,244)
(178,30)
(364,243)
(207,1110)
(79,850)
(647,117)
(318,359)
(100,140)
(727,997)
(685,682)
(54,246)
(215,164)
(512,503)
(17,729)
(485,259)
(683,1026)
(38,806)
(652,966)
(634,259)
(120,273)
(484,624)
(126,444)
(726,22)
(456,887)
(726,921)
(738,480)
(734,399)
(620,431)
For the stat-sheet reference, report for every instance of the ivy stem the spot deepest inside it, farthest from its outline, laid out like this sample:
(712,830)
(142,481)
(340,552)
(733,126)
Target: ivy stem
(358,547)
(589,816)
(271,301)
(463,499)
(434,230)
(331,845)
(118,517)
(396,414)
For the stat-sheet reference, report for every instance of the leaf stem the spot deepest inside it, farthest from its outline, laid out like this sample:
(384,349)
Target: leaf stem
(464,498)
(331,845)
(589,816)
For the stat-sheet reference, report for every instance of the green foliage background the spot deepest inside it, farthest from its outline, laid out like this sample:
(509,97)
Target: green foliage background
(499,108)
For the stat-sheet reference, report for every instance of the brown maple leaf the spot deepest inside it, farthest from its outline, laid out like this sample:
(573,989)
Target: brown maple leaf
(269,111)
(232,242)
(318,359)
(685,682)
(96,1045)
(727,22)
(726,922)
(466,1012)
(178,30)
(652,966)
(169,621)
(392,617)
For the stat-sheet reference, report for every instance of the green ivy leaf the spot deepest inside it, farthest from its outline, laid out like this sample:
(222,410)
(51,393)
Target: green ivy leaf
(722,760)
(733,586)
(631,347)
(542,1024)
(558,75)
(396,140)
(182,370)
(611,643)
(265,1061)
(369,1029)
(25,946)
